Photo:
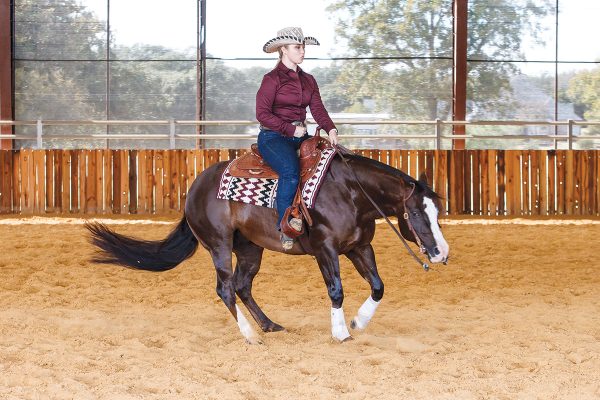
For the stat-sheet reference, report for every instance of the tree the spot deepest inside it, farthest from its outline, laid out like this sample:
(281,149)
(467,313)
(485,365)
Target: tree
(403,51)
(584,92)
(58,30)
(333,94)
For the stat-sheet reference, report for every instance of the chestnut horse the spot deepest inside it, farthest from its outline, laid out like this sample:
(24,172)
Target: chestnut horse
(343,223)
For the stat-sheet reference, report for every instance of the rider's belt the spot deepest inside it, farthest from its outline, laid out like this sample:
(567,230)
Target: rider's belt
(295,123)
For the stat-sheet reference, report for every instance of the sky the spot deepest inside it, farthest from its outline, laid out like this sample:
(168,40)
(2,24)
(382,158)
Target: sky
(239,28)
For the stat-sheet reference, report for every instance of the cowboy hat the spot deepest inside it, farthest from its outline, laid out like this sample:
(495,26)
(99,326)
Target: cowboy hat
(291,35)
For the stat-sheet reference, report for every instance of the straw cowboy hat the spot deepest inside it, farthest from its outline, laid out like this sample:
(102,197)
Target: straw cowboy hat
(291,35)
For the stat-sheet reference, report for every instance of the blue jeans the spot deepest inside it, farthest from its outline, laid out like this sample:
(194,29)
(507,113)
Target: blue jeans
(280,153)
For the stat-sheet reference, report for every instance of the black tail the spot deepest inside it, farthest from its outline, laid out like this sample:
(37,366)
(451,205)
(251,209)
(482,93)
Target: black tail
(159,255)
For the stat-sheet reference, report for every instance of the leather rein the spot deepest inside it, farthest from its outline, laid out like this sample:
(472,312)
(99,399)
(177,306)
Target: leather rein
(406,215)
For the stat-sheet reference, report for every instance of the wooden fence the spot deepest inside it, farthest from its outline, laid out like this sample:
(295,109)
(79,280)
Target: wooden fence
(473,182)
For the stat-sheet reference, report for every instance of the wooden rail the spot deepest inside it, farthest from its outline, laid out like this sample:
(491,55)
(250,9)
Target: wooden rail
(473,182)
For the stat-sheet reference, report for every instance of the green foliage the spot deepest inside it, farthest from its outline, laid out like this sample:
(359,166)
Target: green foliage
(584,92)
(58,30)
(333,93)
(74,89)
(411,41)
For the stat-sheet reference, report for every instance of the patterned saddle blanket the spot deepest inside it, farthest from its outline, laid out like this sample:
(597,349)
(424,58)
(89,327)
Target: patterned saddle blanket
(248,179)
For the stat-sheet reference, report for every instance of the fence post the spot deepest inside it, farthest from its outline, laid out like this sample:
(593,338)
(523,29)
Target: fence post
(570,134)
(39,132)
(438,134)
(171,133)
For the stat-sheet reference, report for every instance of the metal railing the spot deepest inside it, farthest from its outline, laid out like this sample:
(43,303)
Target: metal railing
(172,134)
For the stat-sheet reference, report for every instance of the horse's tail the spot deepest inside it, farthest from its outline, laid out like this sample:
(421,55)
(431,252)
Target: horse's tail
(158,255)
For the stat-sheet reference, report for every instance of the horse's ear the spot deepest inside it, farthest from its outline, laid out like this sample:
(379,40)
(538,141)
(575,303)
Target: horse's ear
(423,178)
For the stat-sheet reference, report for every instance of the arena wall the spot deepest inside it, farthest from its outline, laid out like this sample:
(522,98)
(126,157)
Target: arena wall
(472,182)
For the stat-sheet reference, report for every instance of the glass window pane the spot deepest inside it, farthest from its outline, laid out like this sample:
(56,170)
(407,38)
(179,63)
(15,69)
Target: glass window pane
(231,95)
(394,28)
(52,30)
(71,90)
(505,91)
(511,30)
(502,91)
(151,90)
(578,30)
(579,97)
(170,26)
(239,29)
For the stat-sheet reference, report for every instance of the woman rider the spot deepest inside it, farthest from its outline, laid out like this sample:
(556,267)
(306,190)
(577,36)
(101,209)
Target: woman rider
(281,103)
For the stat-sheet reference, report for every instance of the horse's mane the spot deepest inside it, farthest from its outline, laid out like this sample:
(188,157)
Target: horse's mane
(427,190)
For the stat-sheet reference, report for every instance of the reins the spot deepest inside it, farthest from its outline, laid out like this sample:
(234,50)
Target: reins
(406,216)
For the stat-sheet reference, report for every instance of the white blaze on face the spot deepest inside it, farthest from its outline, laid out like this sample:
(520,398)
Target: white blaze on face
(442,245)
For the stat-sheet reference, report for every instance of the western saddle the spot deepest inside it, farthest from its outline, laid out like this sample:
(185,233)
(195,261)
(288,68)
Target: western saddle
(252,165)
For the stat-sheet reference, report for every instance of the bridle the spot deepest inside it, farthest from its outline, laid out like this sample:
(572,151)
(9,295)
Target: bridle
(406,217)
(406,213)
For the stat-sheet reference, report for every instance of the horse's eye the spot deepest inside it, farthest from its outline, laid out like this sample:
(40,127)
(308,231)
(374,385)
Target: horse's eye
(415,213)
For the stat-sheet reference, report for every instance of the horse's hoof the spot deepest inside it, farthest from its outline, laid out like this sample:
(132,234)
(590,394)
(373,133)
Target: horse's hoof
(274,328)
(254,341)
(354,325)
(344,340)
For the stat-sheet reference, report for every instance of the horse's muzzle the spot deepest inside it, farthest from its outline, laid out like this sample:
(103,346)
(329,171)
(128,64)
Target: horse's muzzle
(434,256)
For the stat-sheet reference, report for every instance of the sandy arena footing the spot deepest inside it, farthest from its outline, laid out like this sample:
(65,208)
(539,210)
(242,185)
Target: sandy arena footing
(513,316)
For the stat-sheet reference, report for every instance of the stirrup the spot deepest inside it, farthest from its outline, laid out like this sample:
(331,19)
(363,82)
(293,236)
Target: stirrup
(286,242)
(296,224)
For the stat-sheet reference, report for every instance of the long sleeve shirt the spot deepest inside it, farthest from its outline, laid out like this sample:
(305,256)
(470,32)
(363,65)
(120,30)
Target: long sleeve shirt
(283,97)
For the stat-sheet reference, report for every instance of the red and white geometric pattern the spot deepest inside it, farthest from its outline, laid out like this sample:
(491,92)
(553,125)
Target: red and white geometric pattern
(313,184)
(262,191)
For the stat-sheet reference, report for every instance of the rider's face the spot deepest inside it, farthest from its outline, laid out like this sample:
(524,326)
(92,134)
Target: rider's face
(294,52)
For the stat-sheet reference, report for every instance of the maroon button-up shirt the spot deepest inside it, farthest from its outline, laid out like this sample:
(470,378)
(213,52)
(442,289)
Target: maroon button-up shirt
(283,97)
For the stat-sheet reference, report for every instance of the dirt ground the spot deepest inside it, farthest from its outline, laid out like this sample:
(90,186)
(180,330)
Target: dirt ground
(515,315)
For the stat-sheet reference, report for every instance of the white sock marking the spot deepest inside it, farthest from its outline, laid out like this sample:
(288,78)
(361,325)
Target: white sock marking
(245,326)
(339,330)
(365,313)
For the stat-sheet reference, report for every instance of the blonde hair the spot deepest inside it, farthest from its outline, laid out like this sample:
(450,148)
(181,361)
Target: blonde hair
(280,54)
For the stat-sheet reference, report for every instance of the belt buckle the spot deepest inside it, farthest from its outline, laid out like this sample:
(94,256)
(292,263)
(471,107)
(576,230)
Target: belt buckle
(299,123)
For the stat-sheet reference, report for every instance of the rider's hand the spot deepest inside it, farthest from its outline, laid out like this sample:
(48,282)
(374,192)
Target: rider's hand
(300,131)
(333,136)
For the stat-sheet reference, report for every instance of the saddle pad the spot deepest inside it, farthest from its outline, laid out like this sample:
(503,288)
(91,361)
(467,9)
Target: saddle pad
(262,191)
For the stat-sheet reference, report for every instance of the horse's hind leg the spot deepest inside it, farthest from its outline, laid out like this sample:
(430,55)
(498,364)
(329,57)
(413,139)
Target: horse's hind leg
(249,257)
(226,290)
(363,259)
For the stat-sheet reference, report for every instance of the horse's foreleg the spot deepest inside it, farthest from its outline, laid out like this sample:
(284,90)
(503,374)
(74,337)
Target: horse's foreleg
(226,291)
(249,257)
(363,259)
(330,269)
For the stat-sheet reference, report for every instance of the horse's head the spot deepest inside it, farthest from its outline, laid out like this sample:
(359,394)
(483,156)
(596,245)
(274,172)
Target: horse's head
(419,220)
